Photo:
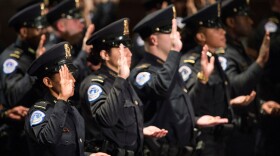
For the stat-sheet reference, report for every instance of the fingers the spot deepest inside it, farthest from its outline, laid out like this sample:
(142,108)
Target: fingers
(42,41)
(174,27)
(90,30)
(266,39)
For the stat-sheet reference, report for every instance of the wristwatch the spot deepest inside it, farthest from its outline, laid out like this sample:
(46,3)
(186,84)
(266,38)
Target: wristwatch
(201,77)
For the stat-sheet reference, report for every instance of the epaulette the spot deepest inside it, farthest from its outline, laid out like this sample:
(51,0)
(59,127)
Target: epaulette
(98,78)
(274,20)
(16,54)
(143,66)
(42,105)
(191,58)
(219,51)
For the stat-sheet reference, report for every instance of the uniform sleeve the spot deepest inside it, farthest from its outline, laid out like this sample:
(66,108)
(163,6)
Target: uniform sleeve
(48,125)
(195,88)
(16,84)
(243,83)
(106,107)
(157,82)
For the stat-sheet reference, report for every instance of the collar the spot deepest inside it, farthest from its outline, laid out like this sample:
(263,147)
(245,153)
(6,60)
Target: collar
(107,71)
(153,59)
(24,46)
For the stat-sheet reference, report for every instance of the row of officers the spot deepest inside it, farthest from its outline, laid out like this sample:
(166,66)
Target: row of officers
(200,94)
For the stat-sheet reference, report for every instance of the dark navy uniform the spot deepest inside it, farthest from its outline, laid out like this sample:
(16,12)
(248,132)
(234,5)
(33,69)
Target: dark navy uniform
(161,90)
(15,60)
(110,106)
(17,87)
(269,87)
(213,97)
(112,112)
(166,103)
(216,92)
(53,126)
(244,75)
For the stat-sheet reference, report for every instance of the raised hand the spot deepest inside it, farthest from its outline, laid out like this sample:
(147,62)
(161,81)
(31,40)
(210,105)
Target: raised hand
(86,47)
(123,67)
(264,50)
(243,100)
(67,83)
(155,132)
(41,49)
(271,108)
(176,43)
(210,121)
(206,66)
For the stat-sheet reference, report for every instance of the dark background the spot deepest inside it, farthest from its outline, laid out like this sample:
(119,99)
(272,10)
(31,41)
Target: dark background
(127,8)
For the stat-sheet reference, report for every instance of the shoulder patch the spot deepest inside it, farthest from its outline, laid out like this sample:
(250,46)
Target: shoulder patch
(185,72)
(270,26)
(94,91)
(37,117)
(142,78)
(223,62)
(9,66)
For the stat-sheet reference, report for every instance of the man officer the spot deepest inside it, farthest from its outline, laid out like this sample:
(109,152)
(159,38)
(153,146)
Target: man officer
(243,73)
(30,24)
(17,87)
(158,84)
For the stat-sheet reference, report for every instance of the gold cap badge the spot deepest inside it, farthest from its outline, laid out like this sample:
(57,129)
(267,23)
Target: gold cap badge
(174,12)
(67,49)
(125,27)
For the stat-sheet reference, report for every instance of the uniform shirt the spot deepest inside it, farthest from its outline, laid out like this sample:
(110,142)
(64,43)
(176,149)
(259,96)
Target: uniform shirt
(270,81)
(213,97)
(112,110)
(269,87)
(166,104)
(243,73)
(17,87)
(55,128)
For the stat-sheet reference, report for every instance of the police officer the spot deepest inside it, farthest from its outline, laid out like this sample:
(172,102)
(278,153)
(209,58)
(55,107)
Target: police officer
(110,106)
(17,87)
(207,83)
(68,25)
(243,73)
(16,84)
(53,125)
(267,141)
(158,84)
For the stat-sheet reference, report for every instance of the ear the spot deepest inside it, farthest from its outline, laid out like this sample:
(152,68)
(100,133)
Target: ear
(47,82)
(104,55)
(23,32)
(60,25)
(153,40)
(230,22)
(201,38)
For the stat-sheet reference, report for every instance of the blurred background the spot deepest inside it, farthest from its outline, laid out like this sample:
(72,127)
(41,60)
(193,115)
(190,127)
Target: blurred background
(134,9)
